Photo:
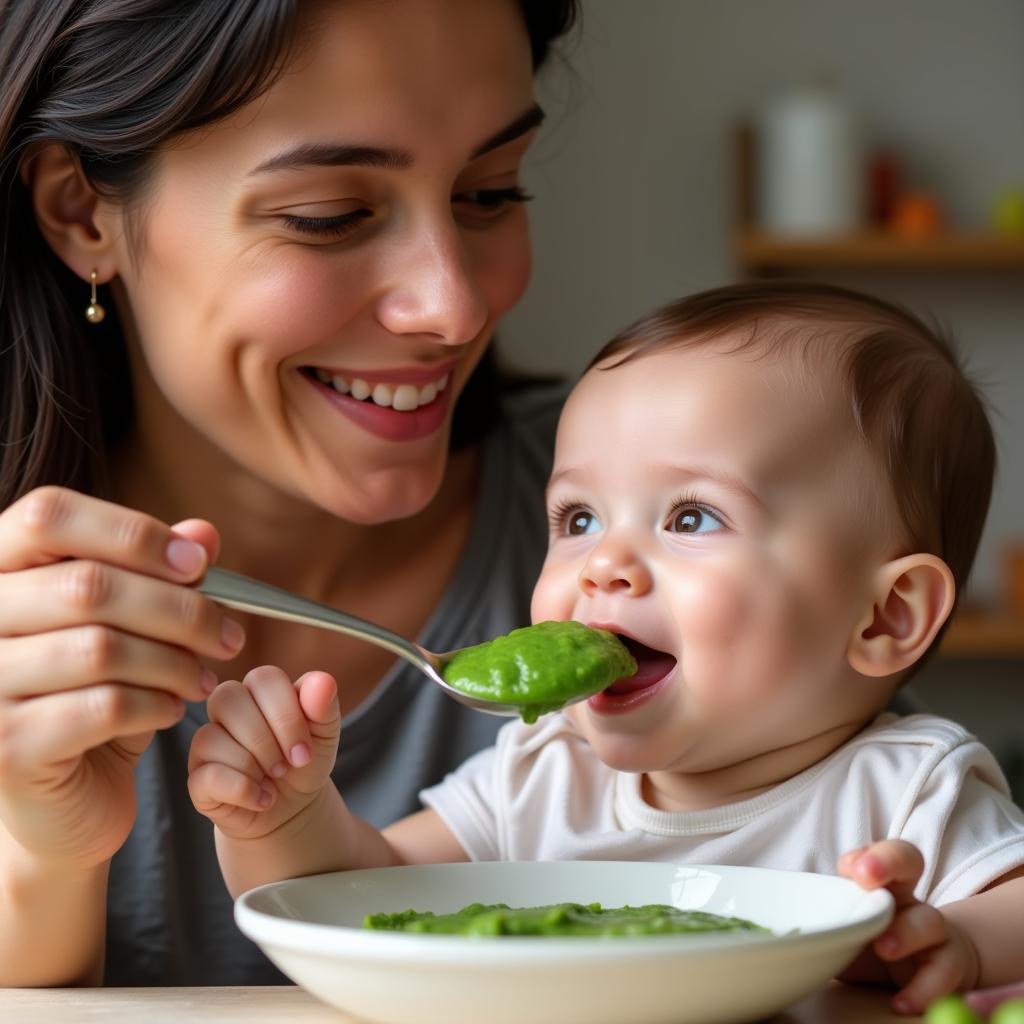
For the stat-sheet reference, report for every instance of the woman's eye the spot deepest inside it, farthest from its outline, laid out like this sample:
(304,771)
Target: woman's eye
(694,519)
(327,227)
(491,201)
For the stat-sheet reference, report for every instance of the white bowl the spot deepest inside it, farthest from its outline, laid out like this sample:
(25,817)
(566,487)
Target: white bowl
(312,929)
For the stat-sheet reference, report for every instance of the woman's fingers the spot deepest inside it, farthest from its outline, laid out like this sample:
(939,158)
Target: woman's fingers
(65,725)
(91,592)
(50,524)
(69,659)
(81,591)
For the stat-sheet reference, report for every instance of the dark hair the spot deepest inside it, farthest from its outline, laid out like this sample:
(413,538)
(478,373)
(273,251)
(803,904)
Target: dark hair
(113,80)
(908,394)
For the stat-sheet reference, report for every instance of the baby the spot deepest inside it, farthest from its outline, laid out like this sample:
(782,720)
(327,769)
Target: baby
(772,493)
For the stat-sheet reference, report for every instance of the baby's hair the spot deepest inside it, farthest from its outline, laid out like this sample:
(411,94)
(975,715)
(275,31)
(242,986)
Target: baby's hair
(909,396)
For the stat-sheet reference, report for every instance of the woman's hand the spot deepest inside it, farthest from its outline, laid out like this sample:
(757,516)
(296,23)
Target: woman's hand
(267,752)
(100,641)
(921,951)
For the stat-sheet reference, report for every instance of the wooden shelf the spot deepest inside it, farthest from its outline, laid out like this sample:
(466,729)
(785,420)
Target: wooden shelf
(759,252)
(976,634)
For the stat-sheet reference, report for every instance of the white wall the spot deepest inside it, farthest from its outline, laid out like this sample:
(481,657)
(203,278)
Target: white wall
(634,181)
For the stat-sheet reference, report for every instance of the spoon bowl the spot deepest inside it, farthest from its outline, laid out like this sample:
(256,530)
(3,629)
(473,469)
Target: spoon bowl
(233,590)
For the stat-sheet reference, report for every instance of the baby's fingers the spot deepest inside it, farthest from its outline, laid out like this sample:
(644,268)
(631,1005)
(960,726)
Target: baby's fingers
(223,775)
(912,931)
(892,863)
(940,971)
(318,698)
(276,697)
(236,707)
(217,790)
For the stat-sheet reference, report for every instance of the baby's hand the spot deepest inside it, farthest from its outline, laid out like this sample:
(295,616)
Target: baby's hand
(267,751)
(921,950)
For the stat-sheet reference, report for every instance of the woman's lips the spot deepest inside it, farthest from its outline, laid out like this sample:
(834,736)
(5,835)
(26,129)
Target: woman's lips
(385,422)
(653,669)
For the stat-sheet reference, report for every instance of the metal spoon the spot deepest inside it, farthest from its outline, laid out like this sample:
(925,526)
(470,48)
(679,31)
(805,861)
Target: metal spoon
(234,590)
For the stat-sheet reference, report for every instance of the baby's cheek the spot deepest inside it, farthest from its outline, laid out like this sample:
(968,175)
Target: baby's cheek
(554,594)
(737,639)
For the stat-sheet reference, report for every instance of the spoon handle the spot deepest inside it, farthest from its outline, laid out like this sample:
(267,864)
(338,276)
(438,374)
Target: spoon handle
(234,590)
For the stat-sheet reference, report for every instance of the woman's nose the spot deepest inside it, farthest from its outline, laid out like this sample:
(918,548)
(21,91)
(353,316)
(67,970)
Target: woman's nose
(435,291)
(615,567)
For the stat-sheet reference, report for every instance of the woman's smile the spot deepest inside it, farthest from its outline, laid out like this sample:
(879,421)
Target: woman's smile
(396,405)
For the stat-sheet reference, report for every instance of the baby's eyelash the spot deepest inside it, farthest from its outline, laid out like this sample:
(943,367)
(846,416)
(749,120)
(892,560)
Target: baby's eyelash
(690,500)
(559,512)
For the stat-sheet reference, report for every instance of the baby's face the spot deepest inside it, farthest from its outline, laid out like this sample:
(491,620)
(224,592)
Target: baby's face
(722,512)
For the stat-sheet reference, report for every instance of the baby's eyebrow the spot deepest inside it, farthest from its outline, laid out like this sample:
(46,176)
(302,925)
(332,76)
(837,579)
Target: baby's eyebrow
(729,481)
(692,474)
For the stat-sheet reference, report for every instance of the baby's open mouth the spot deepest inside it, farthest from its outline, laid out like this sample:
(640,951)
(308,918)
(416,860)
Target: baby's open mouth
(651,666)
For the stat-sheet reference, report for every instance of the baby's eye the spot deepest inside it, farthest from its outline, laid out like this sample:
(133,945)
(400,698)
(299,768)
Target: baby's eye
(573,520)
(581,521)
(692,518)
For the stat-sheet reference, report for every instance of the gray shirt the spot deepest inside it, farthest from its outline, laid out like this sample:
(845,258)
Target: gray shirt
(169,916)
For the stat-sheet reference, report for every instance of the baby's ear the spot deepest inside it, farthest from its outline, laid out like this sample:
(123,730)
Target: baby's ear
(912,598)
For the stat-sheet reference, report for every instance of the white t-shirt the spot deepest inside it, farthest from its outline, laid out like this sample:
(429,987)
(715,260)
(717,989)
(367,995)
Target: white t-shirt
(541,794)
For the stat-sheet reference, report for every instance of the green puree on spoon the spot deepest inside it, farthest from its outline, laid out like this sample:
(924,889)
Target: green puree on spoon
(541,668)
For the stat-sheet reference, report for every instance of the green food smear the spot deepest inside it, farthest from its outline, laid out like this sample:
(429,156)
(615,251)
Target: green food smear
(560,919)
(541,668)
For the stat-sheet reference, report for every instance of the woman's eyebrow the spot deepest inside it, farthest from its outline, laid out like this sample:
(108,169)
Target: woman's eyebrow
(525,122)
(339,155)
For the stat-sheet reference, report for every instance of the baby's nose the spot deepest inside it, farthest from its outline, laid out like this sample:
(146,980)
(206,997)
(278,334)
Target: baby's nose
(615,567)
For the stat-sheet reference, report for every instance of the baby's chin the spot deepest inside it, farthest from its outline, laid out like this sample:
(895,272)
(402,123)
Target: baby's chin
(623,751)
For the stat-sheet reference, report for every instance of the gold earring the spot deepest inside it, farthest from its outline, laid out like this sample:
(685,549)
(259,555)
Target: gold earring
(94,312)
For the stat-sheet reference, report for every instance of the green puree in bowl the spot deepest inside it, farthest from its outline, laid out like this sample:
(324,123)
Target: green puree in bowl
(541,668)
(560,919)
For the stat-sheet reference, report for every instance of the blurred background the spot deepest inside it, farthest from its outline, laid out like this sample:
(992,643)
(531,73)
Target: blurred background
(876,144)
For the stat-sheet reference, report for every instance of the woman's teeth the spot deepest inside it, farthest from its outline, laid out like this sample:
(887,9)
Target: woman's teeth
(401,397)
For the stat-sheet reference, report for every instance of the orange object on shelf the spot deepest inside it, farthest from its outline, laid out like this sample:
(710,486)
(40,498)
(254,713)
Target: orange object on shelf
(916,215)
(1015,578)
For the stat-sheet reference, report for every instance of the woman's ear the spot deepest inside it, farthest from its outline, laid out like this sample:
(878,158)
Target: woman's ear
(74,221)
(912,598)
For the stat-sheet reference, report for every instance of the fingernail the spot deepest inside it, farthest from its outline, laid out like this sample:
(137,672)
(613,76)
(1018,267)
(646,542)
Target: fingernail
(208,681)
(279,769)
(901,1005)
(887,945)
(266,796)
(870,866)
(232,636)
(185,555)
(300,755)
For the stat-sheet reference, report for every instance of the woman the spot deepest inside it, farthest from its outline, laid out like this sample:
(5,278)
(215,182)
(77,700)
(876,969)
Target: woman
(253,253)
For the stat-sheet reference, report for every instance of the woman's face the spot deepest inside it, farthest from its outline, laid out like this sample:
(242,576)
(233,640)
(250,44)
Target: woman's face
(315,279)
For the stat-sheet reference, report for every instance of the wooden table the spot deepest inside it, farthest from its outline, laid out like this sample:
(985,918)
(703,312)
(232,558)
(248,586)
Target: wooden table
(834,1004)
